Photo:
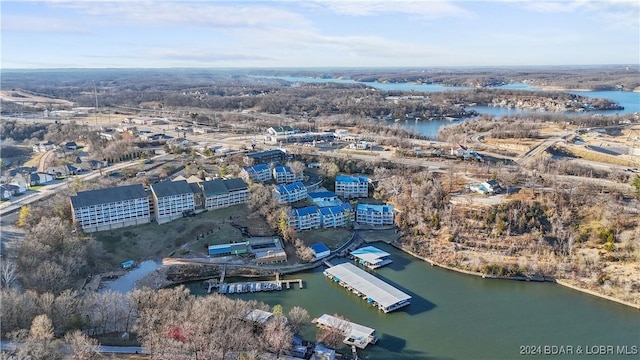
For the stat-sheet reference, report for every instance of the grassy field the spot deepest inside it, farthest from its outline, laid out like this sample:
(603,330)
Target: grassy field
(586,154)
(333,238)
(156,241)
(35,160)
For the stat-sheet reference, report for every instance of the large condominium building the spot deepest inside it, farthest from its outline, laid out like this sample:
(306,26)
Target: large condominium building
(220,193)
(172,200)
(290,193)
(305,218)
(368,214)
(111,208)
(336,216)
(349,187)
(268,156)
(284,175)
(258,173)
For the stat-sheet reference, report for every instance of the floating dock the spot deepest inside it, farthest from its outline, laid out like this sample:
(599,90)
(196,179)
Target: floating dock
(355,334)
(375,291)
(250,286)
(371,257)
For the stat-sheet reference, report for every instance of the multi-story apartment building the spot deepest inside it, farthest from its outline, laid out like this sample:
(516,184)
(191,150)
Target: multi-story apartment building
(275,156)
(284,175)
(349,187)
(258,173)
(336,216)
(305,218)
(220,193)
(172,200)
(368,214)
(111,208)
(290,193)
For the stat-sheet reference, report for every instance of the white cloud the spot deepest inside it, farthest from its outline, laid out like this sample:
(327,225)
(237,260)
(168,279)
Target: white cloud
(431,8)
(35,24)
(203,14)
(615,13)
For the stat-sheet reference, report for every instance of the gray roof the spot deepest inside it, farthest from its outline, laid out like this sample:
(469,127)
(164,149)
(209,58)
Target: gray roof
(235,184)
(108,195)
(195,188)
(374,288)
(214,187)
(171,188)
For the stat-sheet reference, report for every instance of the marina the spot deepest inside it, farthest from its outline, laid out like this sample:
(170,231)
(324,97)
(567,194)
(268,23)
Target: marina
(375,291)
(355,334)
(213,285)
(371,257)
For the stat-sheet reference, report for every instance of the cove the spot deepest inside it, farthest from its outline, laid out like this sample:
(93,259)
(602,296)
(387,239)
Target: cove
(458,316)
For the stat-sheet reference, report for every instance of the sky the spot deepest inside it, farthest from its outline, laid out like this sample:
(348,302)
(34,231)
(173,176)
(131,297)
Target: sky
(317,33)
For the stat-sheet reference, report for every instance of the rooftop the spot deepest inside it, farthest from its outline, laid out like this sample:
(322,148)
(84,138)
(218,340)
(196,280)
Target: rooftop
(352,178)
(108,195)
(377,208)
(371,255)
(171,188)
(319,247)
(305,211)
(367,284)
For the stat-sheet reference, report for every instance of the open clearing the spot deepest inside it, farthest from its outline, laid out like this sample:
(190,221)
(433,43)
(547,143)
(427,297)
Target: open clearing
(156,241)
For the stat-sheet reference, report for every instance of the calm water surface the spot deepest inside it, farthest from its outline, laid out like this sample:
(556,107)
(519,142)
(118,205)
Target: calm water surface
(457,316)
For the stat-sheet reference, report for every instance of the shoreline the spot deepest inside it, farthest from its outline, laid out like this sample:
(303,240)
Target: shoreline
(560,282)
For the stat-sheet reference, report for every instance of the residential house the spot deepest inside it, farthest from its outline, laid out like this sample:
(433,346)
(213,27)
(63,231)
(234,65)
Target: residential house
(44,146)
(22,170)
(369,214)
(172,200)
(8,190)
(349,187)
(220,193)
(20,184)
(258,173)
(284,175)
(336,216)
(39,178)
(70,145)
(111,208)
(305,218)
(290,193)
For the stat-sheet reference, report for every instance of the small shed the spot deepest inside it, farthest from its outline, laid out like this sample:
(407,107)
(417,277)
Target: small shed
(320,250)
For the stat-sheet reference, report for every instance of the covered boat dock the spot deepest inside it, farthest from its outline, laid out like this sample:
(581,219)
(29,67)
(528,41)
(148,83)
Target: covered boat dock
(375,291)
(372,257)
(355,334)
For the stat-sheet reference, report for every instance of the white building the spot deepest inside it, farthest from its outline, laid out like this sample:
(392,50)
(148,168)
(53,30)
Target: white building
(290,193)
(350,187)
(220,193)
(172,200)
(284,175)
(258,173)
(305,218)
(336,216)
(368,214)
(111,208)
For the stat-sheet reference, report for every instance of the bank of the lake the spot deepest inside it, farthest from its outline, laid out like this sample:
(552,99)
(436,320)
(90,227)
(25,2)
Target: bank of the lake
(457,316)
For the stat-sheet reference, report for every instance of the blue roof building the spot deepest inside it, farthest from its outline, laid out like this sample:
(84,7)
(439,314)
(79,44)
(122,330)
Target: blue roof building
(349,187)
(290,193)
(259,173)
(320,250)
(305,218)
(369,214)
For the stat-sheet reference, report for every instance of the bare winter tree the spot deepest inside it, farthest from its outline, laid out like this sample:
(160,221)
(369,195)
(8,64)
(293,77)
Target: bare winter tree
(40,343)
(298,316)
(277,335)
(82,346)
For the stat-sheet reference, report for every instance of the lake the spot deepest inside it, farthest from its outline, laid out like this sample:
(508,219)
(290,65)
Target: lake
(457,316)
(629,100)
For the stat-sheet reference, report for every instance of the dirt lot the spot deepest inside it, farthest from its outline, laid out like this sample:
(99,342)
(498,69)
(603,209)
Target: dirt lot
(180,237)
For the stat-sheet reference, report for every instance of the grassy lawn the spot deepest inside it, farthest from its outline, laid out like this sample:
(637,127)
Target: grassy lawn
(35,160)
(333,238)
(156,241)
